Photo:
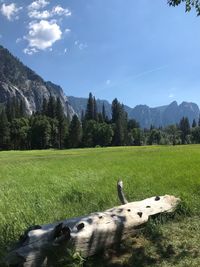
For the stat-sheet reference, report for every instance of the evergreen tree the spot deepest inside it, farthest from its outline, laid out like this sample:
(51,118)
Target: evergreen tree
(51,107)
(89,115)
(102,134)
(95,112)
(75,133)
(88,133)
(194,124)
(119,119)
(103,112)
(184,126)
(62,124)
(40,132)
(19,133)
(44,107)
(196,135)
(4,131)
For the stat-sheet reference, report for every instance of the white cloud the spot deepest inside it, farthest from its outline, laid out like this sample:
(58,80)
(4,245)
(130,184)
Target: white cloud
(80,45)
(18,40)
(67,30)
(30,51)
(39,15)
(45,14)
(42,35)
(38,4)
(10,11)
(65,51)
(60,11)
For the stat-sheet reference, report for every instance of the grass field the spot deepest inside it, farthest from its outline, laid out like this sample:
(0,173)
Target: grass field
(38,187)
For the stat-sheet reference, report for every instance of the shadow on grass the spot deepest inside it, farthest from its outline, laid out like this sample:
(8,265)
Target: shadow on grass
(149,248)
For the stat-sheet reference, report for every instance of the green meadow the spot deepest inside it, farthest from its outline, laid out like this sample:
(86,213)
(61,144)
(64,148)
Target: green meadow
(38,187)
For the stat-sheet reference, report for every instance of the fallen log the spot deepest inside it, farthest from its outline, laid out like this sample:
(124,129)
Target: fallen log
(40,245)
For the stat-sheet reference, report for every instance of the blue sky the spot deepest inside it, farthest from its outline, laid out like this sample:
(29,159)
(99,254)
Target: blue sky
(142,52)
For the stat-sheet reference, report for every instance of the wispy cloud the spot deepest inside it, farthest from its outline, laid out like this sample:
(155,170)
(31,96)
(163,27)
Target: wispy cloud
(144,73)
(18,40)
(171,95)
(36,5)
(46,14)
(80,45)
(10,11)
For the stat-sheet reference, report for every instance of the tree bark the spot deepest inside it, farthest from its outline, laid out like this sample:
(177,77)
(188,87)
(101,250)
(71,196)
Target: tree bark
(40,245)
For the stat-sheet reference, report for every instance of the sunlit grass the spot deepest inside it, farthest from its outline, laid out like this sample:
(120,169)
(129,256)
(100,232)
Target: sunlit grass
(38,187)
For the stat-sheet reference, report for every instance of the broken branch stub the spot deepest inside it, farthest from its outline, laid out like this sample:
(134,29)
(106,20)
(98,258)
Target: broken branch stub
(88,234)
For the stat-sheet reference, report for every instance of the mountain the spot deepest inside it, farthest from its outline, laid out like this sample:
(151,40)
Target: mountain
(146,116)
(17,80)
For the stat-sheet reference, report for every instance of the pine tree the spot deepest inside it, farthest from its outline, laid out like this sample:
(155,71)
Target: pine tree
(194,124)
(51,107)
(185,129)
(103,112)
(40,132)
(199,122)
(95,112)
(62,125)
(75,133)
(89,115)
(119,119)
(4,131)
(44,107)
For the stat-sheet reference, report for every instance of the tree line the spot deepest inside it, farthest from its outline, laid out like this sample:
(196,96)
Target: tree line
(51,128)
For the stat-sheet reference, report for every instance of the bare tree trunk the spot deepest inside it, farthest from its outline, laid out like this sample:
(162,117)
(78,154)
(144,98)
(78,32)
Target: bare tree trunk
(87,234)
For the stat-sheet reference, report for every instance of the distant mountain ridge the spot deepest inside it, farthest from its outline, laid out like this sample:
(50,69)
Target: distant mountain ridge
(145,115)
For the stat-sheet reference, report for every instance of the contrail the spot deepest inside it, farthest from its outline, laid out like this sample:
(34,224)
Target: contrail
(148,71)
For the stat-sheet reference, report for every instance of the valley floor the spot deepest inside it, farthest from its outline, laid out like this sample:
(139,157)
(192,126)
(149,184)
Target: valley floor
(38,187)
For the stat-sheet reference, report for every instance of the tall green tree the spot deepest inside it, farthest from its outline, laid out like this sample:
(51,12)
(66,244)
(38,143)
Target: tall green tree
(184,127)
(51,107)
(19,133)
(44,107)
(95,112)
(40,132)
(89,114)
(119,120)
(62,123)
(103,112)
(75,133)
(194,124)
(4,131)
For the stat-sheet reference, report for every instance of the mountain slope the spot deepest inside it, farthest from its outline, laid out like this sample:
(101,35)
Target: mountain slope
(17,80)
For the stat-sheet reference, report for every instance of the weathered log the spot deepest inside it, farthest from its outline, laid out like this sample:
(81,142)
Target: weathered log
(87,234)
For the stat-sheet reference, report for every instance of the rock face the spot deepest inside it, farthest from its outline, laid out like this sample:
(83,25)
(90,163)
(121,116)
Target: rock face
(17,80)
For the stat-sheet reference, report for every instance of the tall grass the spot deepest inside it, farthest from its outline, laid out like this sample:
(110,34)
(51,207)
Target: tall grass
(38,187)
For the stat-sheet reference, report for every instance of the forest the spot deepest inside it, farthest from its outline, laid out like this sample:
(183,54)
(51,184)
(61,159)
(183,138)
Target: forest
(50,128)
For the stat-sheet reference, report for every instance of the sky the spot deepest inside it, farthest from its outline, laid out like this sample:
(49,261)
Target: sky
(141,52)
